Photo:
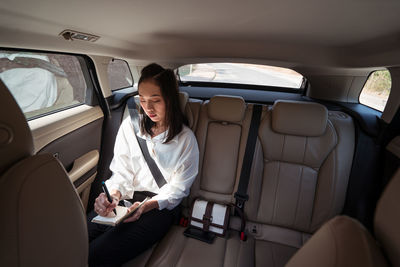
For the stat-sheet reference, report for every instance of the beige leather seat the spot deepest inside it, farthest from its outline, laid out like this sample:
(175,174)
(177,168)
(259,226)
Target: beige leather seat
(43,221)
(344,241)
(221,134)
(299,179)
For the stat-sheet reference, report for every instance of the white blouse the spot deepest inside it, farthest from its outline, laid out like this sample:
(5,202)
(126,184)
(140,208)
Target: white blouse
(178,161)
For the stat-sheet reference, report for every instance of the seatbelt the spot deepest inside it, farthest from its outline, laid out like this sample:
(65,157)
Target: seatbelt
(241,194)
(155,171)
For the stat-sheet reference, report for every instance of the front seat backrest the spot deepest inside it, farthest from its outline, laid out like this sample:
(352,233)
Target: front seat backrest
(387,220)
(43,222)
(306,164)
(344,241)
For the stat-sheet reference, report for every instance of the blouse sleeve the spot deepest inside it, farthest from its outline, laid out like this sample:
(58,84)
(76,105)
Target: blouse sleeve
(171,194)
(121,165)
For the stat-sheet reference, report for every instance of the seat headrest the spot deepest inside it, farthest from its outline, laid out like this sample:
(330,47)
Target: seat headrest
(387,220)
(183,99)
(299,118)
(226,108)
(15,136)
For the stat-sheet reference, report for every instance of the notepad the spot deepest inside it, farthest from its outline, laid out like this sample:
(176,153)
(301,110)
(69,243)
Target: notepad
(122,214)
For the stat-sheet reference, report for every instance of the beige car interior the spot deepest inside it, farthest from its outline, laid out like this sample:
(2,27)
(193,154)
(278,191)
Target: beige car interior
(298,181)
(343,241)
(35,188)
(305,150)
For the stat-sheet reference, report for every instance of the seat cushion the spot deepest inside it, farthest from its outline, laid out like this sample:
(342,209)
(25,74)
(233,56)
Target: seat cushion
(178,250)
(255,252)
(387,220)
(340,242)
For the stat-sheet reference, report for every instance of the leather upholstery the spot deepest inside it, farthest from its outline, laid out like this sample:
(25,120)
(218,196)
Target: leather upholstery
(16,140)
(218,169)
(221,146)
(304,181)
(44,222)
(183,99)
(313,171)
(180,251)
(299,118)
(296,184)
(387,220)
(226,108)
(343,241)
(192,112)
(340,242)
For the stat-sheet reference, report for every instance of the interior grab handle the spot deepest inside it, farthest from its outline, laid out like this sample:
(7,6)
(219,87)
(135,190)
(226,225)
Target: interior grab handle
(83,164)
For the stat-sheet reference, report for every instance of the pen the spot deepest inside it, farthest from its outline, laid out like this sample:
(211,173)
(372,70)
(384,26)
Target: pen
(103,185)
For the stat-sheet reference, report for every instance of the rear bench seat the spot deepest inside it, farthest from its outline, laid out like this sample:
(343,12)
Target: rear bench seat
(221,134)
(304,158)
(299,178)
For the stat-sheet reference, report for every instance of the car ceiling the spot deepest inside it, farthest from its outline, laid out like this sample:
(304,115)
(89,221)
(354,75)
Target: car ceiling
(354,34)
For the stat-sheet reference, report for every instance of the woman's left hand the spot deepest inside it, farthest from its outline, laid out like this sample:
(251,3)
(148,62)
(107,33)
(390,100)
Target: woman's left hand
(149,205)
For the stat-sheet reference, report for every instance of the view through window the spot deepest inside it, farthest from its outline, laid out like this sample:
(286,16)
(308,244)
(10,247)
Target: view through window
(43,83)
(376,90)
(241,73)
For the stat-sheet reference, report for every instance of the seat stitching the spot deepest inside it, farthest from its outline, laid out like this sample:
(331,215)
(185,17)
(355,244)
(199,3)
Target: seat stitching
(298,196)
(273,253)
(276,192)
(305,148)
(277,185)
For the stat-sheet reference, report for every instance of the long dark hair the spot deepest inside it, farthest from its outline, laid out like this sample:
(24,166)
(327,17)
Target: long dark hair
(166,80)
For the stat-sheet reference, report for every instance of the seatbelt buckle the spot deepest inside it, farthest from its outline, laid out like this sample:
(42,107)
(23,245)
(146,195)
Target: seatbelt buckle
(183,222)
(240,200)
(243,236)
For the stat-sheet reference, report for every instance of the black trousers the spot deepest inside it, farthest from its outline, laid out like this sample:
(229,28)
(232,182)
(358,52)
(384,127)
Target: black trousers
(113,246)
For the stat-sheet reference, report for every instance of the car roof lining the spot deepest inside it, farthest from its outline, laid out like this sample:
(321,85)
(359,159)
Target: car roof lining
(309,33)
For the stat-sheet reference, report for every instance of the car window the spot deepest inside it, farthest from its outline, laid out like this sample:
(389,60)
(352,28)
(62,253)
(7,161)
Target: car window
(119,74)
(376,90)
(239,73)
(43,83)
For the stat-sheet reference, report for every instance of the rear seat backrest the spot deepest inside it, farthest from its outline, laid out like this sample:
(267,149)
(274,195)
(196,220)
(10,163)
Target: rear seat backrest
(219,136)
(306,164)
(192,111)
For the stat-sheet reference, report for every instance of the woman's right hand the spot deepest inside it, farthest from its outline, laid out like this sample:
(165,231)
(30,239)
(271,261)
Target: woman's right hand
(102,206)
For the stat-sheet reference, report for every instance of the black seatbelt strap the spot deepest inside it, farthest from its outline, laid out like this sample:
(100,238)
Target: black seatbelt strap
(241,194)
(155,171)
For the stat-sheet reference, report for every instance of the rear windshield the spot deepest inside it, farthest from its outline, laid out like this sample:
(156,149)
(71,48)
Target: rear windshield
(239,73)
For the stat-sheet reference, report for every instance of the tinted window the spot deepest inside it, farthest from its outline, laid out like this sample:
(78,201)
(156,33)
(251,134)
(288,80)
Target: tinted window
(41,82)
(119,74)
(376,90)
(241,74)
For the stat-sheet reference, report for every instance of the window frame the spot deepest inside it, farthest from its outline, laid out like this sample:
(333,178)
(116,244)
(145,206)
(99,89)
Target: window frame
(90,96)
(300,90)
(366,80)
(129,68)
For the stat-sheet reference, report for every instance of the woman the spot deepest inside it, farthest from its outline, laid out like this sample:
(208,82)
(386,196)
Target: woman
(174,148)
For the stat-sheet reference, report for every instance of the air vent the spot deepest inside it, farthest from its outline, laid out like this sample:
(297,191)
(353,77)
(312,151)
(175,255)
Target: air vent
(74,35)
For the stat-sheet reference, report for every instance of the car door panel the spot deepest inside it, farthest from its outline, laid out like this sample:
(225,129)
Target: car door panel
(75,140)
